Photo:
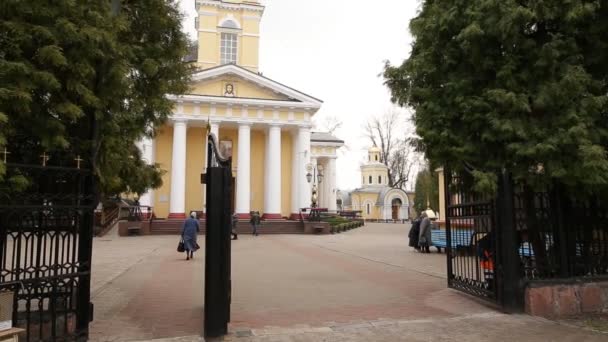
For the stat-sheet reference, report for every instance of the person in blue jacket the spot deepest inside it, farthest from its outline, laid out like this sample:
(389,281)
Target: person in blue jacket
(189,235)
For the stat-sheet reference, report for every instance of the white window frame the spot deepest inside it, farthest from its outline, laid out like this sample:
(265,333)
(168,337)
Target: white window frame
(229,49)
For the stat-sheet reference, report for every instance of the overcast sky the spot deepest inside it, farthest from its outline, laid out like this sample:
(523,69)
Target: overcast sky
(334,50)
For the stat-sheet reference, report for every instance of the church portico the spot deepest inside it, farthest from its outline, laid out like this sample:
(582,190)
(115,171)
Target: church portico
(264,125)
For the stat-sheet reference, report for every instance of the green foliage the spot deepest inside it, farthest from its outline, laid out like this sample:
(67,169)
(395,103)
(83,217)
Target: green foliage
(426,191)
(65,62)
(516,85)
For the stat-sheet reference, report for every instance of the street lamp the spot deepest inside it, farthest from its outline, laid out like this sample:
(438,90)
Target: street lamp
(314,176)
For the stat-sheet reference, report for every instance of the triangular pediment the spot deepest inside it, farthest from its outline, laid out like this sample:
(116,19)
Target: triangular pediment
(233,81)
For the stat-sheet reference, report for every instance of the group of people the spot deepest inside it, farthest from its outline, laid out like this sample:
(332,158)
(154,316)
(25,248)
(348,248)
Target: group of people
(420,233)
(191,228)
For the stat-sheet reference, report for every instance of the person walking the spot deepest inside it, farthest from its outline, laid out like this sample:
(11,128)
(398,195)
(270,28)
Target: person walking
(189,234)
(424,239)
(235,221)
(255,221)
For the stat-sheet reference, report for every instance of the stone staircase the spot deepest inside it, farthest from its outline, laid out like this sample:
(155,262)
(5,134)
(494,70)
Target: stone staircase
(173,227)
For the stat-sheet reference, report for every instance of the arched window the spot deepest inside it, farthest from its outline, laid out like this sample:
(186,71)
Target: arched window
(229,23)
(228,49)
(376,157)
(370,179)
(369,208)
(379,179)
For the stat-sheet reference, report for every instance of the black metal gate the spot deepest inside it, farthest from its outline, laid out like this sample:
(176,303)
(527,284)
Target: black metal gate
(46,225)
(471,237)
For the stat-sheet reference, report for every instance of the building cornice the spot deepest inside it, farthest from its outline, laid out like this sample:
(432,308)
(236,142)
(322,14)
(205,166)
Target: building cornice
(231,6)
(201,121)
(239,101)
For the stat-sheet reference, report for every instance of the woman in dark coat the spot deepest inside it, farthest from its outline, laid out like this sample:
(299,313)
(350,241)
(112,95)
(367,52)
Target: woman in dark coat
(424,239)
(414,234)
(189,234)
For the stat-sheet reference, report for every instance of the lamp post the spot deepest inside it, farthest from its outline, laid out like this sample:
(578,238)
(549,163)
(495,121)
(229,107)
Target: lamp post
(314,176)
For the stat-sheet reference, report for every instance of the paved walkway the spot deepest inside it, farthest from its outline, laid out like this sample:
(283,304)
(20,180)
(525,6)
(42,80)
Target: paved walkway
(363,285)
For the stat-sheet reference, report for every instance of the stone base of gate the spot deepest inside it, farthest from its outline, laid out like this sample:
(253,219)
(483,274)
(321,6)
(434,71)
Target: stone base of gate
(560,300)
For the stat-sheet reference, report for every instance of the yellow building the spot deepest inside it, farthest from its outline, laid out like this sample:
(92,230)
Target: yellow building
(267,124)
(375,199)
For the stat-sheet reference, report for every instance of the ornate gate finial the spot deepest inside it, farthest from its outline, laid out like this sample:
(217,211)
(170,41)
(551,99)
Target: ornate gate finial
(45,157)
(5,152)
(78,160)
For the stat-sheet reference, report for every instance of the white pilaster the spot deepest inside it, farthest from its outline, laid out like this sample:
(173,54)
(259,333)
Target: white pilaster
(330,175)
(305,154)
(272,205)
(243,173)
(178,170)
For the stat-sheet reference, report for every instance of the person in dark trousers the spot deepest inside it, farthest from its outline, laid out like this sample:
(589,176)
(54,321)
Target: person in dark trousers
(235,221)
(414,234)
(189,235)
(424,239)
(255,222)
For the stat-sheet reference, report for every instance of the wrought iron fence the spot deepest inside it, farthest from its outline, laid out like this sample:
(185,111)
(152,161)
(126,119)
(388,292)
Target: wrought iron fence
(495,244)
(561,234)
(46,222)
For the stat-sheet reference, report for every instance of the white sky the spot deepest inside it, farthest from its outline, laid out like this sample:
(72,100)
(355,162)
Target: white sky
(334,50)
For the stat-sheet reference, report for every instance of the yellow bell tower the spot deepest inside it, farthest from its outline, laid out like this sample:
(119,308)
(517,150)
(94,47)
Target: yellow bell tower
(228,33)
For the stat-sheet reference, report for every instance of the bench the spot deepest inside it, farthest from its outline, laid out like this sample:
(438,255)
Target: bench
(460,238)
(527,251)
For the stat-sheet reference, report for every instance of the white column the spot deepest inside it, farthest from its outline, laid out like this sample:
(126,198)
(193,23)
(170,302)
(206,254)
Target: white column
(272,206)
(296,173)
(266,171)
(146,146)
(215,129)
(178,170)
(243,173)
(305,154)
(330,175)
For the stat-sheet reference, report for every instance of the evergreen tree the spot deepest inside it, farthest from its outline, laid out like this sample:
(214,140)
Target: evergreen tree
(426,191)
(64,62)
(506,84)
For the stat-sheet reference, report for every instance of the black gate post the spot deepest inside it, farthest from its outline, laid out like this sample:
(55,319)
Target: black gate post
(218,180)
(447,181)
(508,262)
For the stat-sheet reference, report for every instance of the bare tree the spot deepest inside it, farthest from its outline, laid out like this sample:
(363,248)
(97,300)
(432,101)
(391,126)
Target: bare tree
(393,137)
(329,124)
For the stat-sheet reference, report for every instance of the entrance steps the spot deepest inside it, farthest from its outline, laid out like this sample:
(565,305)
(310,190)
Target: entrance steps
(174,227)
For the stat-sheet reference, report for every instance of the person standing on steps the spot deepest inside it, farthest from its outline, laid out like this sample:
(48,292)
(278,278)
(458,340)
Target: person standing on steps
(189,235)
(255,221)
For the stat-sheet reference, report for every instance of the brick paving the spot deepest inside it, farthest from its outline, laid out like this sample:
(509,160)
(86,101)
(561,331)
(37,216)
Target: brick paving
(363,285)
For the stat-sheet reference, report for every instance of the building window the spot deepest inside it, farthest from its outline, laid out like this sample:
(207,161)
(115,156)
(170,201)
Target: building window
(369,208)
(228,48)
(379,179)
(376,157)
(370,179)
